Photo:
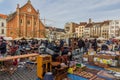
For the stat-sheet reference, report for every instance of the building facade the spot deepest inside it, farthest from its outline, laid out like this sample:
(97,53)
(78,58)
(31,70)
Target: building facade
(87,30)
(105,29)
(3,24)
(25,22)
(80,29)
(53,33)
(95,30)
(70,29)
(114,28)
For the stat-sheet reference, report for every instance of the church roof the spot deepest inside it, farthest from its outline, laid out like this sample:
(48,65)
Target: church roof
(3,16)
(12,15)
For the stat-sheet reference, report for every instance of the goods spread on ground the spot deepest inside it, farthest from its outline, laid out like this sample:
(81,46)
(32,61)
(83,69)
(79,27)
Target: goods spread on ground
(103,59)
(92,74)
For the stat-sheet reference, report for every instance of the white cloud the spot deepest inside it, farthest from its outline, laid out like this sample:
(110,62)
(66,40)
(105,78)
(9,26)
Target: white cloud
(62,11)
(103,3)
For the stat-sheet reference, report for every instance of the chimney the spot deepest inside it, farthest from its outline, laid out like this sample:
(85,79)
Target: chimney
(90,20)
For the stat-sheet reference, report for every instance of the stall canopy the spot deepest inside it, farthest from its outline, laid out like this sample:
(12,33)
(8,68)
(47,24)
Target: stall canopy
(8,38)
(91,38)
(101,38)
(23,38)
(117,37)
(19,38)
(41,38)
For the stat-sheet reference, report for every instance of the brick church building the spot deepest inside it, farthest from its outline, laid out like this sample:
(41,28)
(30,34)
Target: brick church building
(25,22)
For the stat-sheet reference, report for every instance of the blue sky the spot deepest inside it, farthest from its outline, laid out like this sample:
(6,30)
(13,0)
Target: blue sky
(58,12)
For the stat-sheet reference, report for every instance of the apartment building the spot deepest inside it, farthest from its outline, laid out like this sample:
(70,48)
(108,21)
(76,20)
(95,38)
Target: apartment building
(3,24)
(80,29)
(70,29)
(114,28)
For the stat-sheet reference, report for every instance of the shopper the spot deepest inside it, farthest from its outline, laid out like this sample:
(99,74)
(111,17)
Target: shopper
(2,47)
(94,45)
(81,45)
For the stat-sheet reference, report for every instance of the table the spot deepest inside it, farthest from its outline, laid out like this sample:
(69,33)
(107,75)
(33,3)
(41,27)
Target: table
(18,56)
(4,68)
(54,64)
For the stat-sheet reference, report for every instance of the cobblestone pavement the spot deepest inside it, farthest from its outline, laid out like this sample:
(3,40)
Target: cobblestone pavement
(20,74)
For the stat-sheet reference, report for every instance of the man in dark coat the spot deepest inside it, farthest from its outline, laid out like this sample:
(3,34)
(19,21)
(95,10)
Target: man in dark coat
(81,44)
(2,47)
(104,47)
(94,45)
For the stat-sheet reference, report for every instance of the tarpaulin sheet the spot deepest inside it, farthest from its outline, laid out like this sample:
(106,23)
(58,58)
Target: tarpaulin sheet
(75,77)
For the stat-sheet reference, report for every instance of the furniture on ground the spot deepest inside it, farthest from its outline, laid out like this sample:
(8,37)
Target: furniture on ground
(61,73)
(43,65)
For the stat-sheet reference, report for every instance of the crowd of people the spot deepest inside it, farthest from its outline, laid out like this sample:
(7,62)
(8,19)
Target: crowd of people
(59,47)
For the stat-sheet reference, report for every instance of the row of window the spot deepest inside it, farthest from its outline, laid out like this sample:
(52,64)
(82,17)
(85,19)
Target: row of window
(112,27)
(114,22)
(28,22)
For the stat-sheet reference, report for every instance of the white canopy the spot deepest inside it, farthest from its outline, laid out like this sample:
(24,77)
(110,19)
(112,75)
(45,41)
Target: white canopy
(41,38)
(8,38)
(91,38)
(18,38)
(117,37)
(101,38)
